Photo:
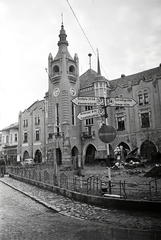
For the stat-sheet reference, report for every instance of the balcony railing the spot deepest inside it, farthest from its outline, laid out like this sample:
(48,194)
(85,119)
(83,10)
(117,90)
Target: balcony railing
(56,134)
(88,134)
(59,134)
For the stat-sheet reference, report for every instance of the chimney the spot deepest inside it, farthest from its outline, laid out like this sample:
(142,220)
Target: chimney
(122,75)
(89,55)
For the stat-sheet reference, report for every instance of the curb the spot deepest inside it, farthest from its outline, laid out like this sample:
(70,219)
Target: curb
(40,201)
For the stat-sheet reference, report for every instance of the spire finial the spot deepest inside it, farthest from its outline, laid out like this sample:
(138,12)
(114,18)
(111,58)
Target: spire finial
(98,64)
(61,18)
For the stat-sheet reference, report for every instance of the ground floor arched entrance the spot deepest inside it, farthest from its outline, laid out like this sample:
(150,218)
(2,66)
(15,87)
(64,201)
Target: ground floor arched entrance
(148,150)
(75,153)
(126,148)
(26,155)
(90,154)
(38,156)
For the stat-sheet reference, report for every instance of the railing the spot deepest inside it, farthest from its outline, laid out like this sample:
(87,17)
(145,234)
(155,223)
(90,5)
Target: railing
(88,134)
(92,185)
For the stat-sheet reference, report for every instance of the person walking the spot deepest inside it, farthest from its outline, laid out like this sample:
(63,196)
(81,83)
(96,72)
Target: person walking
(2,167)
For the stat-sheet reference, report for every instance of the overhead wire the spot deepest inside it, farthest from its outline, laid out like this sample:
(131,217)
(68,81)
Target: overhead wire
(84,33)
(81,27)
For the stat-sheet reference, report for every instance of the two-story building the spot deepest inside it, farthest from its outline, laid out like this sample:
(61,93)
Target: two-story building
(9,143)
(32,134)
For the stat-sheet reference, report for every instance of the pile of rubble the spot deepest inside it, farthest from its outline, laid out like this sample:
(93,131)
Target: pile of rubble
(154,172)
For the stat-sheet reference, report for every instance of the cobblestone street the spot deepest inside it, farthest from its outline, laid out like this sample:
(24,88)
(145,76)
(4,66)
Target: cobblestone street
(23,218)
(149,223)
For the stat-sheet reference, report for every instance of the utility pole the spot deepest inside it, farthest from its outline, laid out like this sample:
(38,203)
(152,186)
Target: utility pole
(108,150)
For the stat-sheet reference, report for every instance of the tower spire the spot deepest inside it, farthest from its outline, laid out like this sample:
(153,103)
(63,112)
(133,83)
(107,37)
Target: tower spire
(61,18)
(62,35)
(98,64)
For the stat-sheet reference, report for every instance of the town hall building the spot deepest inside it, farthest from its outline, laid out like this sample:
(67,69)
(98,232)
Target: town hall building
(50,129)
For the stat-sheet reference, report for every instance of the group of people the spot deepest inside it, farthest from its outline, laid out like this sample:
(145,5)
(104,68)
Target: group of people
(120,154)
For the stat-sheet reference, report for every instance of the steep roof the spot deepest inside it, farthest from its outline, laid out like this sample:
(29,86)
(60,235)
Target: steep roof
(134,79)
(35,105)
(87,78)
(11,126)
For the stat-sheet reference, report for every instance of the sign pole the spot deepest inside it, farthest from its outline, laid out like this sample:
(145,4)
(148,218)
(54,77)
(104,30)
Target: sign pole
(108,150)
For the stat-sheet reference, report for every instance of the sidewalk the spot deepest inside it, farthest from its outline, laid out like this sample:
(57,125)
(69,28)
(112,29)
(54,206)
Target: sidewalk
(115,218)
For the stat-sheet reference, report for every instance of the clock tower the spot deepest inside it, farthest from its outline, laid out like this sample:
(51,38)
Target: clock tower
(63,82)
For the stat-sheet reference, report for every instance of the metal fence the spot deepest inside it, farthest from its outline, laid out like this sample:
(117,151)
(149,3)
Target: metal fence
(92,185)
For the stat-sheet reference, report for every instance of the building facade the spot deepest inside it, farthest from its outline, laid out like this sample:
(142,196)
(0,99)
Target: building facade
(32,134)
(9,143)
(51,129)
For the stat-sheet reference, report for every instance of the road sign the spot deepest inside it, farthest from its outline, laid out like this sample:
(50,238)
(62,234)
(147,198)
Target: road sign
(87,101)
(121,102)
(107,133)
(90,114)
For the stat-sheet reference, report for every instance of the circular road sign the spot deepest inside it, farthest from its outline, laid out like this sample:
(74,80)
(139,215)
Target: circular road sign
(107,133)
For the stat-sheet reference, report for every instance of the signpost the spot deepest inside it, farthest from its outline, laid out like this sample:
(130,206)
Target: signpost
(87,101)
(106,133)
(90,114)
(121,102)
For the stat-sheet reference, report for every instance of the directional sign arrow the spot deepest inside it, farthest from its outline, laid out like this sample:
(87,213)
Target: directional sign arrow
(121,102)
(90,114)
(87,101)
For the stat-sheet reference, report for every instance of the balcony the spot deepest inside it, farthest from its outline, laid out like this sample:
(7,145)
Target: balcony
(89,134)
(59,134)
(56,135)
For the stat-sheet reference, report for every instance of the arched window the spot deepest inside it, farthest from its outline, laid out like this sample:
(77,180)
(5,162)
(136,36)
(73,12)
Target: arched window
(140,97)
(146,97)
(55,69)
(143,97)
(72,70)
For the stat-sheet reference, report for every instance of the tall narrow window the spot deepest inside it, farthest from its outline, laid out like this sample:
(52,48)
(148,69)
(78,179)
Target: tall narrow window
(90,120)
(7,139)
(120,123)
(15,137)
(140,96)
(11,138)
(25,122)
(73,115)
(145,122)
(25,137)
(146,97)
(37,120)
(37,135)
(57,118)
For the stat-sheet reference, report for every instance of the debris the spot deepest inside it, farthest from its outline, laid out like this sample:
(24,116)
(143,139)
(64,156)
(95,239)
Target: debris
(155,172)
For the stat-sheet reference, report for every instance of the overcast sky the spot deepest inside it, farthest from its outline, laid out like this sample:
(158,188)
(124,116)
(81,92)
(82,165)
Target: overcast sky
(127,34)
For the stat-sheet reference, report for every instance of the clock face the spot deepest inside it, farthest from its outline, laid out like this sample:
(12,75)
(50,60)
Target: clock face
(72,92)
(56,92)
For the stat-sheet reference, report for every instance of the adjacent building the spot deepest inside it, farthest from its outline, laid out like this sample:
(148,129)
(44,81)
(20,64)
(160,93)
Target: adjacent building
(32,134)
(9,143)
